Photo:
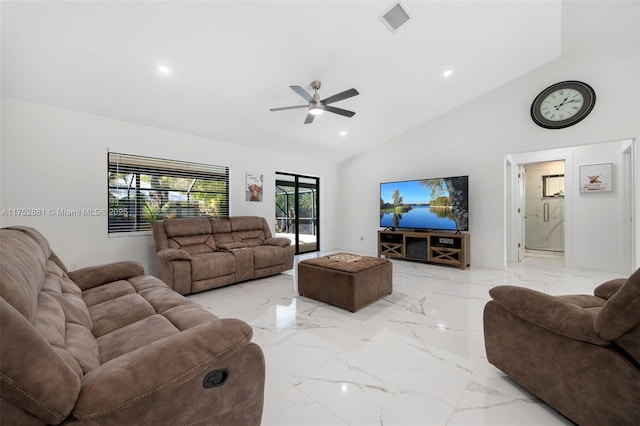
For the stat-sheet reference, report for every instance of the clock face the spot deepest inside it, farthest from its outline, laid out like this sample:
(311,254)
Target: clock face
(563,104)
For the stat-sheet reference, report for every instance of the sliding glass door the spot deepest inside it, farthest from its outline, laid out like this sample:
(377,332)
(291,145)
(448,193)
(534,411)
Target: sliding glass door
(297,210)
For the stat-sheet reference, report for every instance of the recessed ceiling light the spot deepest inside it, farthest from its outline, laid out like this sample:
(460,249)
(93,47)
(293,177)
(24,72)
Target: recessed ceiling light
(447,72)
(164,70)
(343,133)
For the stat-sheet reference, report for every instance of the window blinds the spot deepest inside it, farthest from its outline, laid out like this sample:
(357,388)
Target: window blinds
(144,189)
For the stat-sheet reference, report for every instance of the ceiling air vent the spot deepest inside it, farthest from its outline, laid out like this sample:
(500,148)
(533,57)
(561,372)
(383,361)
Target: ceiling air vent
(395,17)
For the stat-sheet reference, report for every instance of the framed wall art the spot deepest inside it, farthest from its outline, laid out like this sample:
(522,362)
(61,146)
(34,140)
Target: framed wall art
(596,177)
(254,187)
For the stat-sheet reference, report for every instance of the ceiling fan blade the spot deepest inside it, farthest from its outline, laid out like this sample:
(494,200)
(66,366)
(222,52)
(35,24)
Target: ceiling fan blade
(340,111)
(309,119)
(289,107)
(340,96)
(300,91)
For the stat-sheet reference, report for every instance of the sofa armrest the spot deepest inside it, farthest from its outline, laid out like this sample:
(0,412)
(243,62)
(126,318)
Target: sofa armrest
(278,241)
(170,254)
(94,276)
(549,312)
(609,288)
(139,381)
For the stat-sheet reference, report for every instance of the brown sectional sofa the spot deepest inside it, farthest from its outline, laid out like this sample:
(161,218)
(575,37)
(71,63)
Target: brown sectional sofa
(108,345)
(578,353)
(197,254)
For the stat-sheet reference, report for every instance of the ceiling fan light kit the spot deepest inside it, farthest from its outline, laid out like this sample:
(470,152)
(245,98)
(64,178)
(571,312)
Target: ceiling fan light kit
(316,106)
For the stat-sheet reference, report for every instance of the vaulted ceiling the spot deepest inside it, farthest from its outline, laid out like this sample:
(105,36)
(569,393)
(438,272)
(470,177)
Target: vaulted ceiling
(230,61)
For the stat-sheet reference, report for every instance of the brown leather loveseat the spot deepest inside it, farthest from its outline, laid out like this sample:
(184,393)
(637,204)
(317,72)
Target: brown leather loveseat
(578,353)
(108,345)
(197,254)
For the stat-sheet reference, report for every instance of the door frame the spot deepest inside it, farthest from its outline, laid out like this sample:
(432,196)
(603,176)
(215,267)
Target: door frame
(628,186)
(296,184)
(515,193)
(527,203)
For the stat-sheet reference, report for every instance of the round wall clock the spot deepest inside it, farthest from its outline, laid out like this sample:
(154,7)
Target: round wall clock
(563,104)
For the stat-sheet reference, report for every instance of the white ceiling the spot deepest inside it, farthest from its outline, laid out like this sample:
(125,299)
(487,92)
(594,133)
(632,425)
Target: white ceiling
(233,60)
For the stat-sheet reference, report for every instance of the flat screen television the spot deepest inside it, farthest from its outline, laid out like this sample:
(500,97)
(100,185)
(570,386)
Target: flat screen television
(426,204)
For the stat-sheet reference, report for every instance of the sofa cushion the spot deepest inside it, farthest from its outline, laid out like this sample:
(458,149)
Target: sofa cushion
(22,271)
(157,294)
(223,239)
(41,310)
(251,238)
(82,346)
(210,265)
(187,316)
(103,293)
(192,235)
(117,313)
(267,256)
(41,380)
(187,226)
(621,312)
(220,225)
(41,290)
(249,223)
(194,244)
(134,336)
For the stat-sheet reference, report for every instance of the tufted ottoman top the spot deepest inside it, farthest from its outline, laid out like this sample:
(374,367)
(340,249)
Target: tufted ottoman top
(332,262)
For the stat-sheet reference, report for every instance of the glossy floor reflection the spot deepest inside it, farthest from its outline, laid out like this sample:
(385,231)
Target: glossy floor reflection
(415,357)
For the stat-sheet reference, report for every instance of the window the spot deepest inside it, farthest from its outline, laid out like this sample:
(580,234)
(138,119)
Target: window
(552,186)
(143,189)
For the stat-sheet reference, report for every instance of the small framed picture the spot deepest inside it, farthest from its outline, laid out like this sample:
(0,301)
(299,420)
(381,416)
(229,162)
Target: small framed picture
(254,186)
(596,177)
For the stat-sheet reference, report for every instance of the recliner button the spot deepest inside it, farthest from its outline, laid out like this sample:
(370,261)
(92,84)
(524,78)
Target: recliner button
(215,378)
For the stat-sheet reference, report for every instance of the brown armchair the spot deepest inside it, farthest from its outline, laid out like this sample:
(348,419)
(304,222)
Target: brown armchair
(578,353)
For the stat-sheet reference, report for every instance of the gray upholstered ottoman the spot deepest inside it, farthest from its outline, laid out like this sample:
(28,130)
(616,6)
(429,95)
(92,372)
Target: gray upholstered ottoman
(344,280)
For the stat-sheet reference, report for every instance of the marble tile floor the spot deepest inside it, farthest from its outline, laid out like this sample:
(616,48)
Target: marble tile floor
(415,357)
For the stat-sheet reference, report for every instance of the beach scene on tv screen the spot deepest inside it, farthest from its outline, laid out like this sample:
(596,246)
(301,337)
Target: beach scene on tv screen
(425,204)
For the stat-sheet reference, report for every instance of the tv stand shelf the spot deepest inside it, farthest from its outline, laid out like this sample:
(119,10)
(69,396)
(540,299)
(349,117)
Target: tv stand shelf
(447,248)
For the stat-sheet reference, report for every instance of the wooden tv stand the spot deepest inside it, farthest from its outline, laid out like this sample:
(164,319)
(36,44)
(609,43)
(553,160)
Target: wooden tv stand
(447,248)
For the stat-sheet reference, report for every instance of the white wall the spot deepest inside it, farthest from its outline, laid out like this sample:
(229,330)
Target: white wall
(53,158)
(600,46)
(598,224)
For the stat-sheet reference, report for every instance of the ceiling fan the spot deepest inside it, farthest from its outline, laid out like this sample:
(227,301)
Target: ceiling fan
(316,106)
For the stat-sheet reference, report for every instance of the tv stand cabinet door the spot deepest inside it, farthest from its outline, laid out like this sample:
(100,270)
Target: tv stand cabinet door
(449,249)
(391,244)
